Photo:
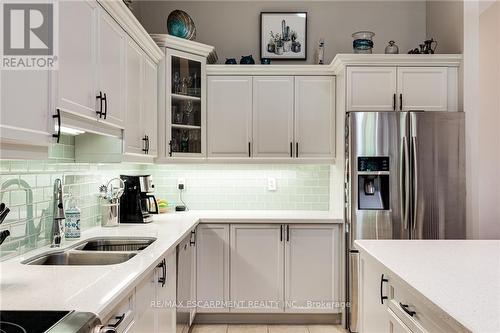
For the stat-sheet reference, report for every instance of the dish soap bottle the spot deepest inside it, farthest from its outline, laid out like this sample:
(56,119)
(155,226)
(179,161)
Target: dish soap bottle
(72,222)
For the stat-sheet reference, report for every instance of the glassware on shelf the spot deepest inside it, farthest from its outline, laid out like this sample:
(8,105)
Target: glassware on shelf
(363,42)
(188,111)
(177,115)
(185,141)
(176,83)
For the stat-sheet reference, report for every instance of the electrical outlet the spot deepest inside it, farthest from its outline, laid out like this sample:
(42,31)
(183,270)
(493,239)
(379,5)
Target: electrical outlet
(271,184)
(181,181)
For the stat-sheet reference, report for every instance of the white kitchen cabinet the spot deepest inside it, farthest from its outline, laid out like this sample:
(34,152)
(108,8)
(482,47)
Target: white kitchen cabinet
(166,293)
(145,292)
(257,263)
(150,105)
(371,88)
(186,276)
(395,324)
(111,69)
(314,117)
(24,107)
(273,116)
(229,114)
(311,268)
(212,260)
(373,296)
(77,57)
(422,88)
(402,88)
(133,134)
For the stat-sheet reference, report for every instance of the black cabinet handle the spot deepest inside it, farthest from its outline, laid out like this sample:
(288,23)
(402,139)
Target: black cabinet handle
(291,149)
(394,101)
(105,106)
(281,232)
(170,148)
(101,99)
(58,117)
(400,102)
(192,240)
(147,144)
(287,233)
(296,149)
(163,278)
(249,150)
(382,280)
(120,319)
(145,139)
(405,309)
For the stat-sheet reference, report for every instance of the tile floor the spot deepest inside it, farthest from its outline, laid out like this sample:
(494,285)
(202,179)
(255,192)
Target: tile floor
(268,329)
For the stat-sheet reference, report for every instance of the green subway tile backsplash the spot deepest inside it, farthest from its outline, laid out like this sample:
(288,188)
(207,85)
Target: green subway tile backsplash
(208,186)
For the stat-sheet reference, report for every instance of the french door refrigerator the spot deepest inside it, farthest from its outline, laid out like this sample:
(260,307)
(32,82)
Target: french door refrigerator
(404,179)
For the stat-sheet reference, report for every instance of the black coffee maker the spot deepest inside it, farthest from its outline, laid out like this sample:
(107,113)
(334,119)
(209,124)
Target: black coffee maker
(138,202)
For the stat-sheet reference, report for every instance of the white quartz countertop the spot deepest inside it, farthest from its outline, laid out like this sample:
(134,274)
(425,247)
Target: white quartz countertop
(462,277)
(98,289)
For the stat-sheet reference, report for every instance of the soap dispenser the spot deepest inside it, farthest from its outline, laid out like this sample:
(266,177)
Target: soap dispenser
(72,222)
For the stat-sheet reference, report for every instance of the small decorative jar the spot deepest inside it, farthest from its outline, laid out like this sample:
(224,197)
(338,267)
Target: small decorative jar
(265,61)
(392,48)
(247,60)
(363,42)
(231,61)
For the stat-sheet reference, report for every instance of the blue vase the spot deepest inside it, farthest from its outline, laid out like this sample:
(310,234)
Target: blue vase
(247,60)
(265,61)
(231,61)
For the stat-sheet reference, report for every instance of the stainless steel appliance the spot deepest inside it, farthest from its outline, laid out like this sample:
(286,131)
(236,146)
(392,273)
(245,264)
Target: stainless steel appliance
(405,179)
(138,202)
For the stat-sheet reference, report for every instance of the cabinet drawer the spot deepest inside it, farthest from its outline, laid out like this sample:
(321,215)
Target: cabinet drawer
(122,316)
(418,313)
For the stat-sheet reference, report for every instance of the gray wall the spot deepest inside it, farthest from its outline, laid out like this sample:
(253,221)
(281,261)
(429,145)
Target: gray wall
(233,26)
(445,24)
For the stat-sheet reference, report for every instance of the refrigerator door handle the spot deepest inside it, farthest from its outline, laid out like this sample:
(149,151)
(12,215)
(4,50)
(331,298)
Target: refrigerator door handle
(415,182)
(404,175)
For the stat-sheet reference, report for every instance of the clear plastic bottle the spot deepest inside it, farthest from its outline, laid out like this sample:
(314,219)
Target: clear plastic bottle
(321,52)
(72,221)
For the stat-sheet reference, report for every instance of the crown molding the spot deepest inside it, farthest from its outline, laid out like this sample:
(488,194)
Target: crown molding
(181,44)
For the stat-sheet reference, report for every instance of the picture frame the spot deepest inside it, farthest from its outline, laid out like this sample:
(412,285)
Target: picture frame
(283,35)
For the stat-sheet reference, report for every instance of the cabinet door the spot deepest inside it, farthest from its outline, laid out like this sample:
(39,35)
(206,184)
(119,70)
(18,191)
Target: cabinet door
(314,117)
(371,88)
(256,269)
(77,64)
(229,115)
(373,313)
(423,88)
(272,116)
(311,285)
(133,133)
(145,292)
(166,295)
(212,280)
(150,105)
(24,107)
(395,324)
(111,68)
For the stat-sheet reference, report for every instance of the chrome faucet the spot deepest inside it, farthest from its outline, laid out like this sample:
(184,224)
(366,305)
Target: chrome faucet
(58,215)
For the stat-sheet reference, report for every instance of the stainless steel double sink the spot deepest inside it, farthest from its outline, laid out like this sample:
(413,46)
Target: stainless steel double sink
(94,252)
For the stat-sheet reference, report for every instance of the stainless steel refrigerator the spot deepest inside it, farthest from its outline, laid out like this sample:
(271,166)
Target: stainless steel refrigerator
(404,179)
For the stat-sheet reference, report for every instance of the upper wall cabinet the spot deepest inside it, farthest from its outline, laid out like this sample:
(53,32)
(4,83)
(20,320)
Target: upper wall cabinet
(273,116)
(314,117)
(402,88)
(182,122)
(229,113)
(77,57)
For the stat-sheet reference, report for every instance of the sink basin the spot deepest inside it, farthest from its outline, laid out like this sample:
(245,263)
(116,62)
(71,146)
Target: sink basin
(80,258)
(115,244)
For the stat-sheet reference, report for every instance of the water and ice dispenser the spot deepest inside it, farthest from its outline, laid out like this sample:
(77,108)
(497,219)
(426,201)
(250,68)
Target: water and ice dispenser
(373,183)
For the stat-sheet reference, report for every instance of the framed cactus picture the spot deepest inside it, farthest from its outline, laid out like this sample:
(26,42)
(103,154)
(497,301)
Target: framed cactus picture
(283,35)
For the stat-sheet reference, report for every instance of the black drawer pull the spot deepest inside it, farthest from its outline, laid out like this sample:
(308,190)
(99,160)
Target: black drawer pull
(405,309)
(58,117)
(120,319)
(105,106)
(101,99)
(382,280)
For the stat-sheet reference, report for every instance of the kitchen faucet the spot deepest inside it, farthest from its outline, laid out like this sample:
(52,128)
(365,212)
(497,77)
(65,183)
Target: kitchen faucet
(58,215)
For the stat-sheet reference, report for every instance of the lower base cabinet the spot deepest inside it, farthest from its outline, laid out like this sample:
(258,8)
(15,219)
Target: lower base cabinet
(268,268)
(389,304)
(155,299)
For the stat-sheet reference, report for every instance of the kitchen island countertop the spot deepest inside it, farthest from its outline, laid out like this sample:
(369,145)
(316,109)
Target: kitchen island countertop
(462,277)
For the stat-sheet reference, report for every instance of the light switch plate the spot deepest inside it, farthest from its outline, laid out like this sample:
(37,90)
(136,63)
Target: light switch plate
(271,184)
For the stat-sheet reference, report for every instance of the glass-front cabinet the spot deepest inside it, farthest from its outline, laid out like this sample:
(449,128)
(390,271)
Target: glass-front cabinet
(185,109)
